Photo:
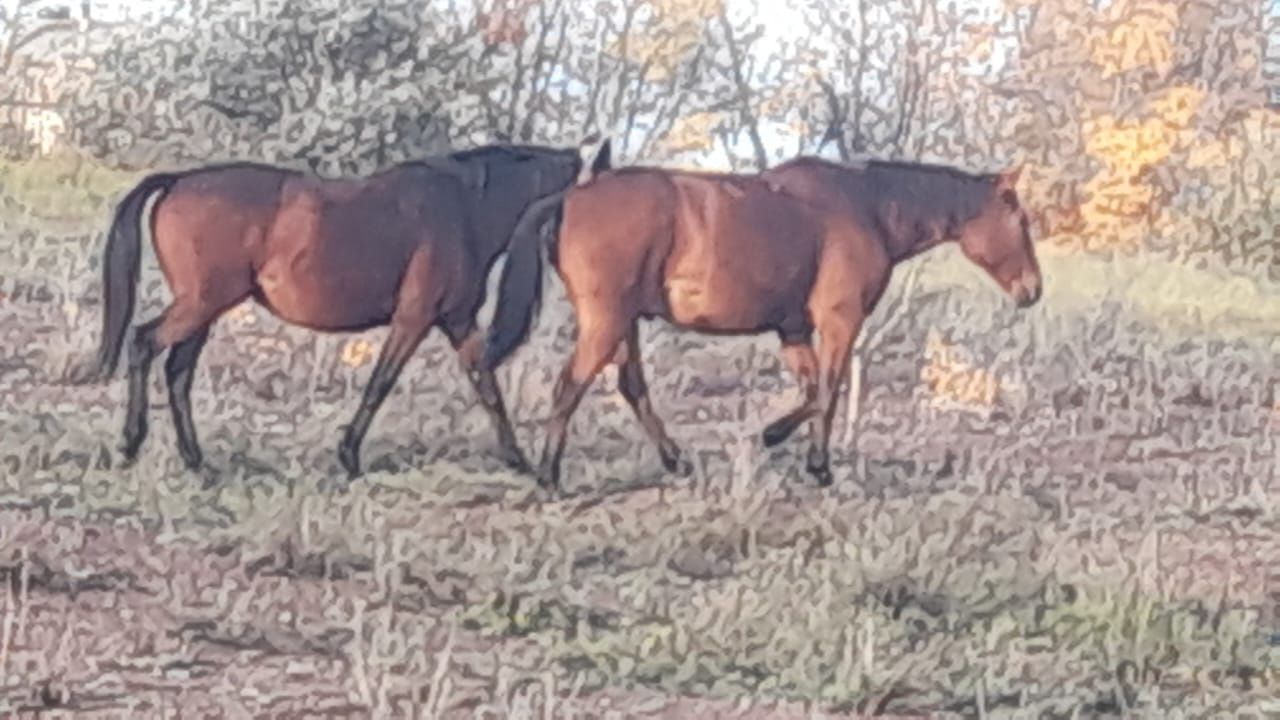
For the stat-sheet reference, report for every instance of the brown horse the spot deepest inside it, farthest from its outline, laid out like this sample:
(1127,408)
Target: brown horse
(808,245)
(408,247)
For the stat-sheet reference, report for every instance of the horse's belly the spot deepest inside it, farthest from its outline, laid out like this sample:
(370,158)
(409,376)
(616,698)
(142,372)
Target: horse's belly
(328,300)
(718,304)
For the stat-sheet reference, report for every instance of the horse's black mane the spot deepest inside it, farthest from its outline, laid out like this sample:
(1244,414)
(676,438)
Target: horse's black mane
(932,168)
(898,166)
(505,151)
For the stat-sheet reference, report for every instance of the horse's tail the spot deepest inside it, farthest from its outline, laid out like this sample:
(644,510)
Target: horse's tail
(120,268)
(520,288)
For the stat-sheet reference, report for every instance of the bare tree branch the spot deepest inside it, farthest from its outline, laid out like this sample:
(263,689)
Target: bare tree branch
(747,113)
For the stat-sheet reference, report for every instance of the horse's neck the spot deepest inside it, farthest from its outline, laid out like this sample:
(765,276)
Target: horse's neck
(910,250)
(907,238)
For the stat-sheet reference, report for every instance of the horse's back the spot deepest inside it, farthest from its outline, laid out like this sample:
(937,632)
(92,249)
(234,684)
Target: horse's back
(337,251)
(744,256)
(721,252)
(231,194)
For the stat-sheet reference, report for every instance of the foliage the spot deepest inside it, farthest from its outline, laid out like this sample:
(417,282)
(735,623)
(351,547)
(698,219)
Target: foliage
(64,185)
(341,87)
(1141,123)
(1134,120)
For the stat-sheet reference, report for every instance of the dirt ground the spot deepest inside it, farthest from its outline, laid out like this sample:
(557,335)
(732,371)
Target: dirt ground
(1064,512)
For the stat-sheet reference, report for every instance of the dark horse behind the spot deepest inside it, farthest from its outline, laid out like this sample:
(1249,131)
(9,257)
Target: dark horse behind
(409,247)
(807,246)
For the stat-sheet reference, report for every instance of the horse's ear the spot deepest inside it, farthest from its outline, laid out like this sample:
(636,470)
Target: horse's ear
(604,157)
(1008,179)
(595,160)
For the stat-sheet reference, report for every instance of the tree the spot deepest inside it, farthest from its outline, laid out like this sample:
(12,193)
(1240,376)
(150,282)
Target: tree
(1121,105)
(340,87)
(347,87)
(32,64)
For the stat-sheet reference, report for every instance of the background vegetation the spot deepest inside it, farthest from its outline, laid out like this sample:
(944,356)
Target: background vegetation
(1066,512)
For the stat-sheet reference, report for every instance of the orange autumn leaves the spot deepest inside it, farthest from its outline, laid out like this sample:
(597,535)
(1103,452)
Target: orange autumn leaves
(692,133)
(1138,158)
(357,352)
(665,34)
(954,380)
(1145,124)
(1144,152)
(1122,191)
(1140,36)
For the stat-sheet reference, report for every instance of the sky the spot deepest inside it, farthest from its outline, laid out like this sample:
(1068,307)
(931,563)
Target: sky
(780,21)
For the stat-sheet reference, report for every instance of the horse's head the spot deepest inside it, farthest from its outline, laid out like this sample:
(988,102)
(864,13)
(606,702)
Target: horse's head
(998,240)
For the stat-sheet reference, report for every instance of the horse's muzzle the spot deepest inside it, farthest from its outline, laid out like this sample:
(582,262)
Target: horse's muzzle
(1026,290)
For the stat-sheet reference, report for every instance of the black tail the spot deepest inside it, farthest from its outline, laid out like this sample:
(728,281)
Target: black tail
(120,267)
(520,288)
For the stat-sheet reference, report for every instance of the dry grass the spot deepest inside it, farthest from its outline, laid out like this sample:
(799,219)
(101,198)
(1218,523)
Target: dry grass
(1091,532)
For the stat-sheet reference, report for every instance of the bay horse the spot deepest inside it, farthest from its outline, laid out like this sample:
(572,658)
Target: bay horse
(807,245)
(409,247)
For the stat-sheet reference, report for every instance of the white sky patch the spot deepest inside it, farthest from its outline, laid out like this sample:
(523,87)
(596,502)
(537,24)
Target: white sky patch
(117,10)
(784,23)
(781,21)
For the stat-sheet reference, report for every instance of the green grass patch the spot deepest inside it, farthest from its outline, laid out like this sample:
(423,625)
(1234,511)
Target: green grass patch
(1199,296)
(65,186)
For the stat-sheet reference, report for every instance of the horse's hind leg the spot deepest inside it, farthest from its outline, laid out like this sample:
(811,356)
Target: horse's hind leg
(599,332)
(142,351)
(632,384)
(470,345)
(838,331)
(179,370)
(180,322)
(804,364)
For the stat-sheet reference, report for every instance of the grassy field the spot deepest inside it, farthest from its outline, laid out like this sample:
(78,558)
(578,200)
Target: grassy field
(1064,512)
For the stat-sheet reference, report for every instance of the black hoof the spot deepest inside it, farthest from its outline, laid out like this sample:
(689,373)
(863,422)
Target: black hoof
(775,434)
(209,479)
(676,464)
(350,459)
(83,374)
(548,479)
(130,447)
(193,460)
(515,460)
(820,470)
